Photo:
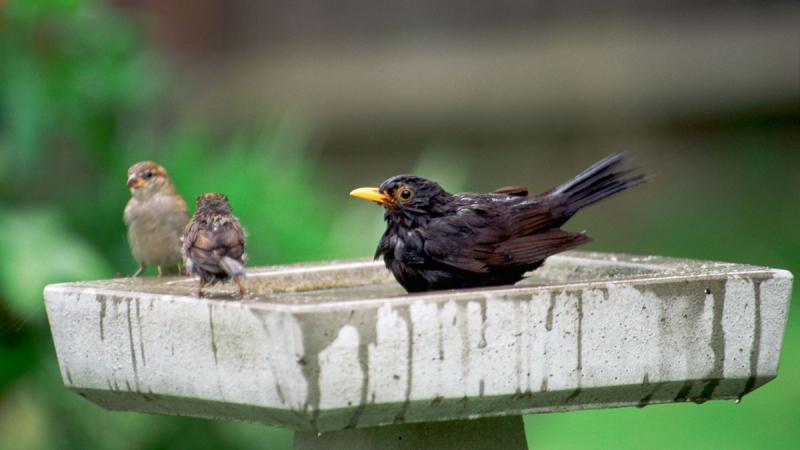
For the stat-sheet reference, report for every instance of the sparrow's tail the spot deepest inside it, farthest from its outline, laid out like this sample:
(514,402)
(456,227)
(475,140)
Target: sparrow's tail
(603,179)
(232,267)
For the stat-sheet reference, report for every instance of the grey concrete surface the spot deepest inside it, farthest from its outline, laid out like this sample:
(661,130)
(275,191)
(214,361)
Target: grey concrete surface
(339,345)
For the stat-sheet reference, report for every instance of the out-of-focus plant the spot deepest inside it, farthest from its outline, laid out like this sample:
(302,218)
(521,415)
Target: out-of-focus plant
(70,74)
(73,77)
(37,249)
(79,103)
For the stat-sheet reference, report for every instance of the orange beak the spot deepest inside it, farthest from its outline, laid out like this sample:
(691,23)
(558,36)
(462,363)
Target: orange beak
(135,182)
(372,194)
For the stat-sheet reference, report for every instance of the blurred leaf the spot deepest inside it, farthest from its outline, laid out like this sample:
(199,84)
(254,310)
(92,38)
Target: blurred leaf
(72,73)
(24,97)
(22,419)
(19,349)
(37,249)
(32,9)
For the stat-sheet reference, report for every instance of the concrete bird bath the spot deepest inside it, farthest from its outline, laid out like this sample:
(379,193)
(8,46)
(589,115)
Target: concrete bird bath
(338,352)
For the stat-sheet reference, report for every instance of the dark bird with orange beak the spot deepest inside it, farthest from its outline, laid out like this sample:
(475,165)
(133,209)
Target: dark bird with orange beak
(436,240)
(155,216)
(213,244)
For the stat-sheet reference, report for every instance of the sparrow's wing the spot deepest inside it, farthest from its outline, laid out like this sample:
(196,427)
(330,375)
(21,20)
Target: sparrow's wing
(200,246)
(230,239)
(230,248)
(480,239)
(190,236)
(191,257)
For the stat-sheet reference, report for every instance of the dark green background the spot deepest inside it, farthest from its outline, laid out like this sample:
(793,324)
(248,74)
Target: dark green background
(79,96)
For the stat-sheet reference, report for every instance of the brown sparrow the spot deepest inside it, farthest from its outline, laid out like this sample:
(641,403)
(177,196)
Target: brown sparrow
(213,244)
(155,216)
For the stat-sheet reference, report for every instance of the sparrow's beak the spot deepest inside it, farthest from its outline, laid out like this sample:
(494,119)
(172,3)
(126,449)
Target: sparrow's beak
(371,194)
(135,182)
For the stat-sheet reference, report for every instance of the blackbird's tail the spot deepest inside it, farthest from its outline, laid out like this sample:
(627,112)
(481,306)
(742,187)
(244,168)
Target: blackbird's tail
(603,179)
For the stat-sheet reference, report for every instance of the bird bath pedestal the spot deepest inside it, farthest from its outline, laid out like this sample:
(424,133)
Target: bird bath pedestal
(338,352)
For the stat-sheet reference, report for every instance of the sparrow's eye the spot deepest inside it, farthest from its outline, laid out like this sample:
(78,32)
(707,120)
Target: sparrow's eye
(148,174)
(405,194)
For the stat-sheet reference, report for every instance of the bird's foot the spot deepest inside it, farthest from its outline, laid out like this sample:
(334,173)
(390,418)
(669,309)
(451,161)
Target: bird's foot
(242,289)
(138,273)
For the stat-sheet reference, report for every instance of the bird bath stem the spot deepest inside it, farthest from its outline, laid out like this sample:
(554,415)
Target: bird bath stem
(338,352)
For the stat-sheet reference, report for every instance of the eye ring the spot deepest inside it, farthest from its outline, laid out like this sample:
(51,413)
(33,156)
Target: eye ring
(405,194)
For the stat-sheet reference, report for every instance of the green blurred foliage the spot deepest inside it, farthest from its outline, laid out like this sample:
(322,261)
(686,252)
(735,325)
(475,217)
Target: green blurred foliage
(72,75)
(78,96)
(270,180)
(79,103)
(23,271)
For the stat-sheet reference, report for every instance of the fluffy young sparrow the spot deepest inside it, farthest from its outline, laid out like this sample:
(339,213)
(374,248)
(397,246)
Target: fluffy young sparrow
(213,244)
(155,216)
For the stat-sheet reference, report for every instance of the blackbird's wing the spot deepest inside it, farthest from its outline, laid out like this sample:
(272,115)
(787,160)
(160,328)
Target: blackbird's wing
(515,191)
(452,243)
(481,238)
(534,214)
(536,247)
(481,233)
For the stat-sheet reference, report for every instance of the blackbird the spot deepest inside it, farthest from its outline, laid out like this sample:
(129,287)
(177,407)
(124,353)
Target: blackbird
(155,216)
(436,240)
(213,243)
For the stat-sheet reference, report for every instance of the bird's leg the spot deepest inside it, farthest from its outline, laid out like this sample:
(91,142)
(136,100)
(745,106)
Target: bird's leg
(242,289)
(160,271)
(200,289)
(139,272)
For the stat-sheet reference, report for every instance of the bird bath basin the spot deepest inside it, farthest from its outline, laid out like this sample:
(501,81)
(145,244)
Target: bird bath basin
(340,353)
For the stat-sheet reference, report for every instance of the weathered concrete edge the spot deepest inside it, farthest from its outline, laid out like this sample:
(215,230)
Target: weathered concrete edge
(785,274)
(634,396)
(359,269)
(407,299)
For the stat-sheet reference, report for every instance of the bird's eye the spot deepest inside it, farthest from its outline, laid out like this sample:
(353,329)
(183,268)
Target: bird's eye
(148,174)
(405,194)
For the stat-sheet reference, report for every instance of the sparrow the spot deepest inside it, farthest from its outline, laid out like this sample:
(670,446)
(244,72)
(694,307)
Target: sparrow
(437,240)
(155,216)
(213,244)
